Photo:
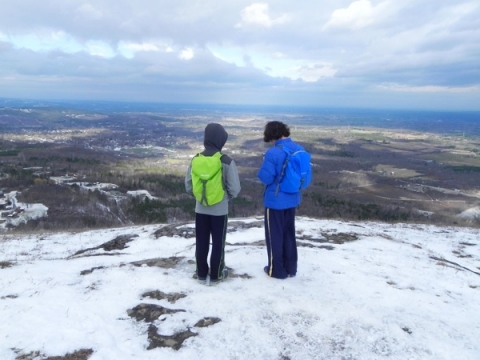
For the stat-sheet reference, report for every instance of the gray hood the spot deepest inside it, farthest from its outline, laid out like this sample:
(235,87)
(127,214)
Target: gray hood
(215,138)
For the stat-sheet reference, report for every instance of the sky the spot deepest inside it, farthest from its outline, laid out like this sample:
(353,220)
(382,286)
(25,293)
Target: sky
(384,295)
(409,54)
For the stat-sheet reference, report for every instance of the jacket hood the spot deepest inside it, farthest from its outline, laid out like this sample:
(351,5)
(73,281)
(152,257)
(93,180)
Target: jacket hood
(215,137)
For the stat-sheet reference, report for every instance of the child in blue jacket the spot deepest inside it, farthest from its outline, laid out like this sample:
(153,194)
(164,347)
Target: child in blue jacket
(279,206)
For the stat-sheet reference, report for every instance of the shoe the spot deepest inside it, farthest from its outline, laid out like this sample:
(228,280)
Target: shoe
(221,278)
(266,270)
(202,280)
(291,275)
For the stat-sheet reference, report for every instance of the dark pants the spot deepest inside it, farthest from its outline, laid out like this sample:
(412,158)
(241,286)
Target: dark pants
(216,226)
(281,242)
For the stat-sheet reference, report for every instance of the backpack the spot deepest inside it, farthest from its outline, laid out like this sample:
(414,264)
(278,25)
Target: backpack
(296,172)
(207,179)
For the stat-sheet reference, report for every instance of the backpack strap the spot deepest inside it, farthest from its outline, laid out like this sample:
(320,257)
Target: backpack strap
(284,166)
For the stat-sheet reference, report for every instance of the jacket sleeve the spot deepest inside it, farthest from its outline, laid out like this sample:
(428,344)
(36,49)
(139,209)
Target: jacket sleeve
(232,181)
(188,180)
(267,172)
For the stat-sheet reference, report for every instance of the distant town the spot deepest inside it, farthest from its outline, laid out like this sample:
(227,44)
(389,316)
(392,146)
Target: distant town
(87,168)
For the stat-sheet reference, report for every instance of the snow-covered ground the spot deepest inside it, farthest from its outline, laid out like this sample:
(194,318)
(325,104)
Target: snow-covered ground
(16,216)
(363,291)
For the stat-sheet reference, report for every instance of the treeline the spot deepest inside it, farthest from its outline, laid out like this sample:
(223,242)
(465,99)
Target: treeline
(71,207)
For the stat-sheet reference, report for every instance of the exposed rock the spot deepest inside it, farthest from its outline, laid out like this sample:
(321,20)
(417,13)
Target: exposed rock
(159,295)
(239,225)
(340,238)
(166,263)
(173,341)
(86,272)
(119,243)
(150,312)
(175,230)
(82,354)
(9,297)
(208,321)
(336,238)
(326,247)
(5,264)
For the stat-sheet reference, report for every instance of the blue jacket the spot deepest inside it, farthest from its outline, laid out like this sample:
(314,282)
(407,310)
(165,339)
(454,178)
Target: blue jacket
(269,174)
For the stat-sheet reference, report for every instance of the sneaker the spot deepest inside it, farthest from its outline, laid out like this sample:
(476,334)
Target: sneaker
(291,275)
(221,278)
(265,269)
(202,280)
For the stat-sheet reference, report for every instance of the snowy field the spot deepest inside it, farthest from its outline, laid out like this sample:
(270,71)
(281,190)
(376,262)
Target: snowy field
(363,291)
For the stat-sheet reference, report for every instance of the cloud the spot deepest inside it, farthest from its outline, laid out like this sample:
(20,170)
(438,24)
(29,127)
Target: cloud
(316,72)
(358,15)
(186,54)
(258,14)
(307,49)
(129,49)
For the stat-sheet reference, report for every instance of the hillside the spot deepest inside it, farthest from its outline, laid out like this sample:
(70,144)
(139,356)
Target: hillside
(363,291)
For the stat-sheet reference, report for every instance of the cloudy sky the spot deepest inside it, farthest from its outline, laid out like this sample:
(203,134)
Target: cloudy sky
(363,53)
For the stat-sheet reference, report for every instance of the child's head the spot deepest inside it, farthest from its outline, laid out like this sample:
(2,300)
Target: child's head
(275,130)
(215,136)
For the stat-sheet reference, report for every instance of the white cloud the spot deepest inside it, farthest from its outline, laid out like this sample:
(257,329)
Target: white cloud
(276,64)
(186,54)
(316,72)
(129,49)
(258,14)
(358,15)
(99,48)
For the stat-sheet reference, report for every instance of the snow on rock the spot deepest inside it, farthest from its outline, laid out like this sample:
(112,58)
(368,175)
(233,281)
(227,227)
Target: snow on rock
(362,291)
(141,194)
(472,213)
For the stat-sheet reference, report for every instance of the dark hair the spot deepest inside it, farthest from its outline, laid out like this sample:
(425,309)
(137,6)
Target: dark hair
(275,130)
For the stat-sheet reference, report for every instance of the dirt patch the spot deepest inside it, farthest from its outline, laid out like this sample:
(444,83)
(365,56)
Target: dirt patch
(9,297)
(172,341)
(159,295)
(340,238)
(119,243)
(208,321)
(86,272)
(176,340)
(172,230)
(82,354)
(325,247)
(336,238)
(6,264)
(150,312)
(238,225)
(166,263)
